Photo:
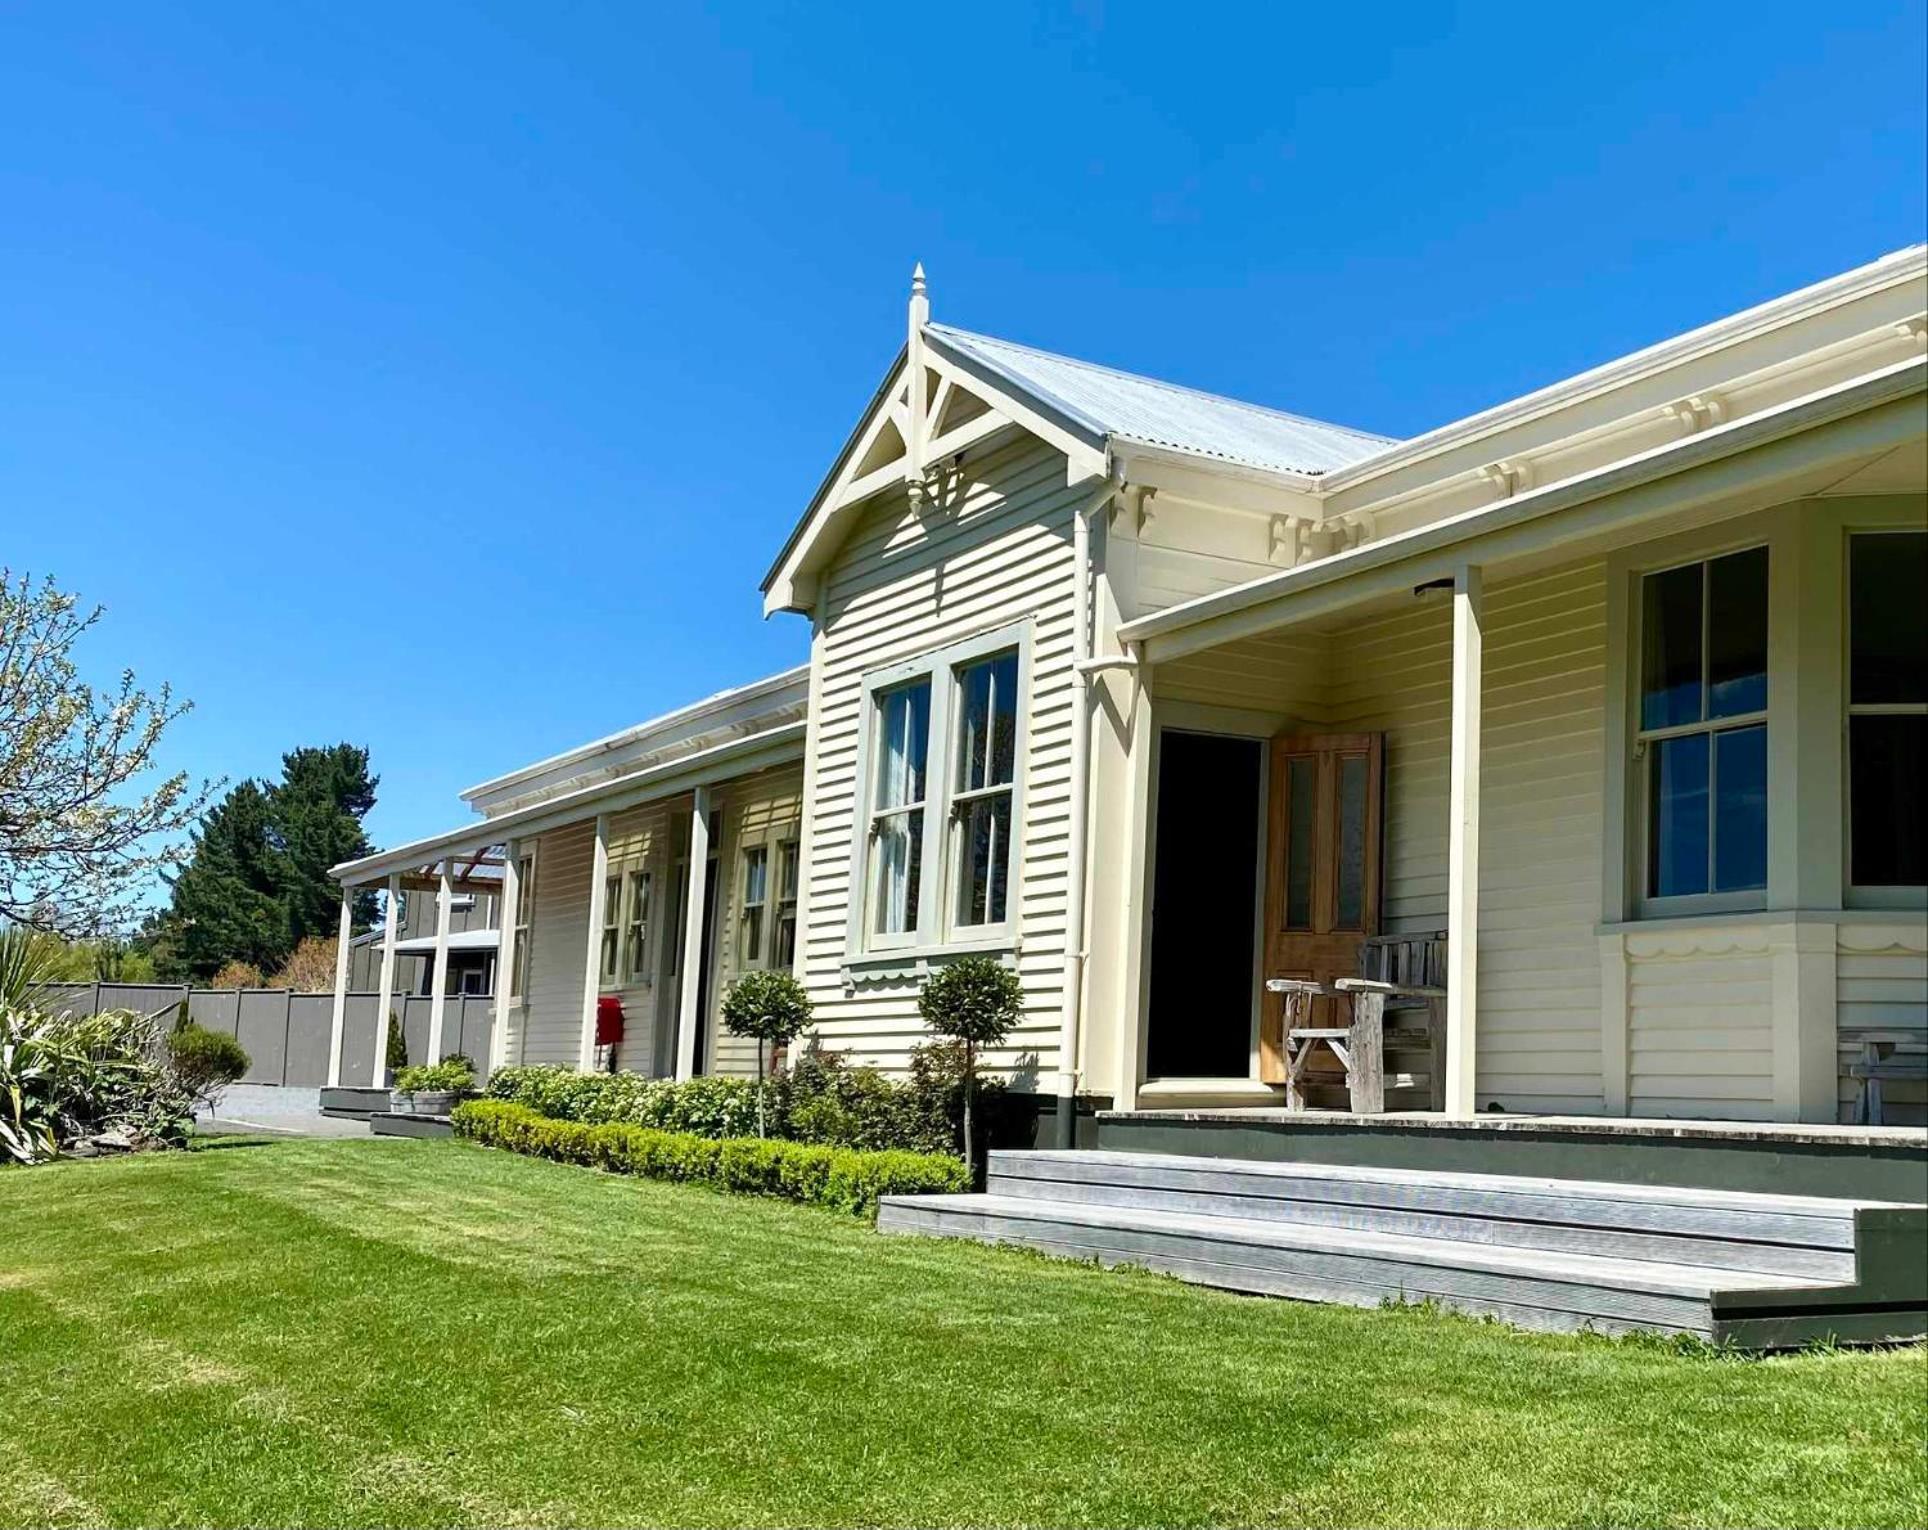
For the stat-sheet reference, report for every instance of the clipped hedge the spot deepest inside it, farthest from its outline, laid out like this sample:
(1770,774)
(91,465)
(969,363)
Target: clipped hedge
(838,1178)
(820,1099)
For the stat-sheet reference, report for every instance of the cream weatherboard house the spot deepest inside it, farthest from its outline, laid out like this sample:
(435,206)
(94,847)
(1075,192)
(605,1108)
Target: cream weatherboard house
(1608,705)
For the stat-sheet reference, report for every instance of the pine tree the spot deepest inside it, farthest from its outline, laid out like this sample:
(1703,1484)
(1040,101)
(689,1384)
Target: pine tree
(227,903)
(318,807)
(256,883)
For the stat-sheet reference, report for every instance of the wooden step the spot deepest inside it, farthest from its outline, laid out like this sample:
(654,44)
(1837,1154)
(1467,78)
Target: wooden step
(1780,1235)
(1763,1270)
(1534,1288)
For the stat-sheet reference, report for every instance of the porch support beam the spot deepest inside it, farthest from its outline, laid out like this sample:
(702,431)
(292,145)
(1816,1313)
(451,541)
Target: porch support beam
(439,987)
(505,973)
(338,1021)
(1462,854)
(592,954)
(391,928)
(690,985)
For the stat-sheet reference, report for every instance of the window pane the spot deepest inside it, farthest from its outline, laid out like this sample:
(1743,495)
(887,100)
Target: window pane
(905,740)
(1740,809)
(1677,818)
(755,873)
(1888,638)
(1670,648)
(1352,842)
(1887,764)
(1302,808)
(1737,634)
(900,866)
(785,954)
(984,860)
(787,869)
(752,949)
(519,955)
(987,727)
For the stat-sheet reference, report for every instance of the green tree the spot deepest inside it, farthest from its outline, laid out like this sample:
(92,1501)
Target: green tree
(227,901)
(318,807)
(256,883)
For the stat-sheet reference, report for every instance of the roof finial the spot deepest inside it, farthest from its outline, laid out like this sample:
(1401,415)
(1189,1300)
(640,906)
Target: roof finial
(920,302)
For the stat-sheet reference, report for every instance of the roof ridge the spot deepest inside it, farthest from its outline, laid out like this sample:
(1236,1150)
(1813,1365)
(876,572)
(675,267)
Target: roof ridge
(1165,384)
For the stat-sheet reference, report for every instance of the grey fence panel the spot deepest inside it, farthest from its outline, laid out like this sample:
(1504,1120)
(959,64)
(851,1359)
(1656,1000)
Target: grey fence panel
(358,1039)
(478,1021)
(147,998)
(415,1010)
(311,1019)
(67,998)
(263,1031)
(215,1009)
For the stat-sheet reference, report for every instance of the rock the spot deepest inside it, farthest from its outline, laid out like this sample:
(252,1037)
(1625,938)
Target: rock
(112,1141)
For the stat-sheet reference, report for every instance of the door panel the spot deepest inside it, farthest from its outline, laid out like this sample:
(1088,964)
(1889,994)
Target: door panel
(1324,809)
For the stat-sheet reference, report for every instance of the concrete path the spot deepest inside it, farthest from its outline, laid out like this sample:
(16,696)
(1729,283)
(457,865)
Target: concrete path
(280,1112)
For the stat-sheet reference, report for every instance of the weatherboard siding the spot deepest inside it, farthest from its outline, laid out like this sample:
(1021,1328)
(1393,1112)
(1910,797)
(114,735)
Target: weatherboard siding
(1543,769)
(996,553)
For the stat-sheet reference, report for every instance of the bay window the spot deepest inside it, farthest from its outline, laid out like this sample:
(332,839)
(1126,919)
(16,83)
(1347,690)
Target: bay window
(941,802)
(1702,733)
(1887,709)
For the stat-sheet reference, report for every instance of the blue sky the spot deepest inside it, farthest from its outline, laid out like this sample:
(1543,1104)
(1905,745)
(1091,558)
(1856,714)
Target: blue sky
(444,378)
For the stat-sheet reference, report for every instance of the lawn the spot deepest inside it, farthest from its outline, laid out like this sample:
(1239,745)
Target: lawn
(395,1332)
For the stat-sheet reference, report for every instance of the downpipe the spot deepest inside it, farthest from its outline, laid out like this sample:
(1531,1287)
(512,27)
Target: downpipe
(1065,1123)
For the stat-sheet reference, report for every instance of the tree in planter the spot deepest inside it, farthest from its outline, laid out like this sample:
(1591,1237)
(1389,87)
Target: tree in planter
(397,1055)
(976,1001)
(771,1006)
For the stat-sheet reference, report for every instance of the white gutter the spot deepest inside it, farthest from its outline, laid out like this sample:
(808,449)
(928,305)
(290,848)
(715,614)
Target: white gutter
(1889,271)
(718,701)
(1854,396)
(719,762)
(1075,942)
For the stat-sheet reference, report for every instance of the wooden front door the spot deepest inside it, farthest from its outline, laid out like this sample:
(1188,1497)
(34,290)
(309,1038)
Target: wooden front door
(1322,869)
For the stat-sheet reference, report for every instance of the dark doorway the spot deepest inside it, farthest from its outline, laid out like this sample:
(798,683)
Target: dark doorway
(1204,906)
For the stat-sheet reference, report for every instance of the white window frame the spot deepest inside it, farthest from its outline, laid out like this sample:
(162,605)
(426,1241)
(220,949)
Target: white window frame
(522,921)
(772,842)
(633,956)
(1646,740)
(936,931)
(609,949)
(1866,894)
(787,905)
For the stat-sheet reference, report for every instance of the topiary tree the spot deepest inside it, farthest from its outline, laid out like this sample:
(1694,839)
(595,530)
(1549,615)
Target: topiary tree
(770,1006)
(976,1001)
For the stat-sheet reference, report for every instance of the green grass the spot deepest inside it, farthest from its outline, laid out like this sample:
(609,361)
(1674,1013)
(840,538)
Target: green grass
(396,1332)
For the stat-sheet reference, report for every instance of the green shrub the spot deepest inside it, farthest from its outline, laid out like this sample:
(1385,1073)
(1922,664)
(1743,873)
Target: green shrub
(396,1057)
(838,1178)
(974,1000)
(707,1107)
(66,1077)
(453,1075)
(205,1061)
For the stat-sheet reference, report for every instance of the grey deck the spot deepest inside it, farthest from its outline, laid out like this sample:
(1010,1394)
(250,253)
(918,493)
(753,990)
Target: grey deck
(1758,1269)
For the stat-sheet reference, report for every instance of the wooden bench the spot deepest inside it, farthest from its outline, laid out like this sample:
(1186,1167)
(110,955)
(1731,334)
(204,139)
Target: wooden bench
(1402,977)
(1878,1064)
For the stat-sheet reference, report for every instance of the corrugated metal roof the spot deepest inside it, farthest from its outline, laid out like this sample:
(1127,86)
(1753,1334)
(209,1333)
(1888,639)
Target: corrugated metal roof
(1132,408)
